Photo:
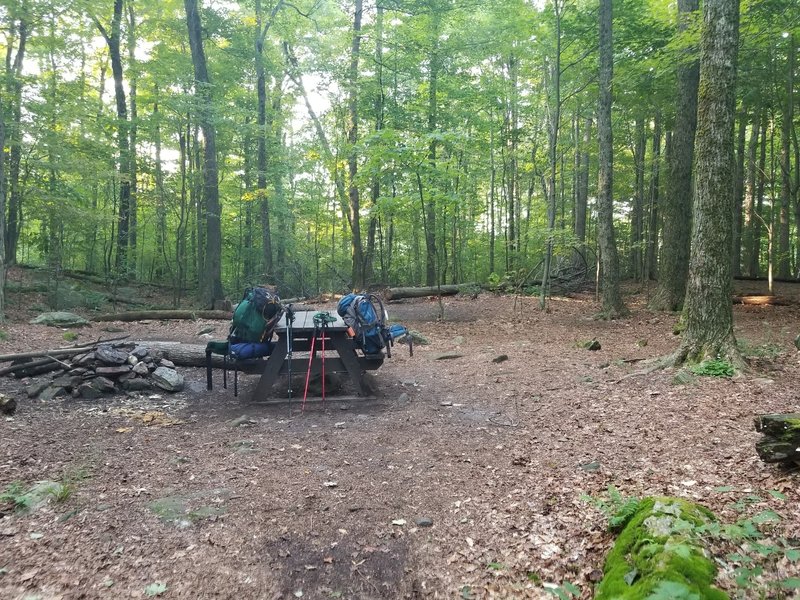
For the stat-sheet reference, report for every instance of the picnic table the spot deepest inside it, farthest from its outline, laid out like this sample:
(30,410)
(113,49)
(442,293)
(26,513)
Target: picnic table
(341,354)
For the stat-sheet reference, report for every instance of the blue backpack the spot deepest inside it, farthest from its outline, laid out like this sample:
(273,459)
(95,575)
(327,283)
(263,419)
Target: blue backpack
(365,314)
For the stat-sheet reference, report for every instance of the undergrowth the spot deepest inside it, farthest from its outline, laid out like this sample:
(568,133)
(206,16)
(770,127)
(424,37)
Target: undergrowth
(714,368)
(753,554)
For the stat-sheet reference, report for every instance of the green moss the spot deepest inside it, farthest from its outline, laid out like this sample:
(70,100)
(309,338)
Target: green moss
(657,555)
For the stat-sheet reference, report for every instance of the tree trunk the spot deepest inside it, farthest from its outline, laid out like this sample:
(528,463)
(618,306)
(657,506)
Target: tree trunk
(14,134)
(354,216)
(2,215)
(637,226)
(651,258)
(738,209)
(611,299)
(421,292)
(212,291)
(708,310)
(677,209)
(748,217)
(429,208)
(133,77)
(784,251)
(760,179)
(582,183)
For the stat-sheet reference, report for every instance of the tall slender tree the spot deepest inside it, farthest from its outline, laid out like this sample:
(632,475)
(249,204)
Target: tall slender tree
(611,298)
(677,206)
(211,275)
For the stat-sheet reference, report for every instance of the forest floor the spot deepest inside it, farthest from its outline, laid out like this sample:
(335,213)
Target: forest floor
(466,478)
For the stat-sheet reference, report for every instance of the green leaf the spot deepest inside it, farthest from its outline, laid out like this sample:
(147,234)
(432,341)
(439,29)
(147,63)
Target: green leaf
(791,583)
(155,589)
(723,488)
(777,494)
(767,516)
(672,590)
(793,554)
(631,576)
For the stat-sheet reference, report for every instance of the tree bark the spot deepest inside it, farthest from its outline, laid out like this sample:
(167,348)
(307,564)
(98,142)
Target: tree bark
(708,310)
(14,135)
(611,299)
(2,215)
(420,292)
(354,208)
(637,269)
(784,250)
(738,209)
(677,207)
(212,291)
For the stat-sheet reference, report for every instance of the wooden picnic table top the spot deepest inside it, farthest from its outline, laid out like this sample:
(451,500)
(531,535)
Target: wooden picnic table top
(304,322)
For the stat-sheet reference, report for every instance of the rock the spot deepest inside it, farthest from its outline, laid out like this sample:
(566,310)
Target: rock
(140,368)
(239,421)
(591,466)
(797,342)
(424,522)
(113,371)
(136,385)
(50,392)
(501,358)
(166,363)
(88,391)
(35,389)
(590,345)
(132,360)
(60,319)
(104,384)
(447,356)
(403,398)
(85,359)
(7,405)
(111,356)
(139,352)
(67,381)
(167,379)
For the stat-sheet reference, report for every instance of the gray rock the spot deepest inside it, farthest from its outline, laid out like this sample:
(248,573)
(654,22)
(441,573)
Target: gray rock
(140,368)
(501,358)
(88,391)
(35,389)
(104,384)
(52,392)
(167,379)
(113,371)
(139,352)
(166,363)
(111,356)
(67,381)
(136,385)
(239,421)
(424,522)
(403,398)
(60,319)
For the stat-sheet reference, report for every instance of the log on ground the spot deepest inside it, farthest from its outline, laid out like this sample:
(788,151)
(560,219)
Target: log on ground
(163,315)
(194,355)
(421,292)
(780,441)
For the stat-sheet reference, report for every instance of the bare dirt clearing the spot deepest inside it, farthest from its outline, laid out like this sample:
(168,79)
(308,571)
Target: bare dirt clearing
(463,480)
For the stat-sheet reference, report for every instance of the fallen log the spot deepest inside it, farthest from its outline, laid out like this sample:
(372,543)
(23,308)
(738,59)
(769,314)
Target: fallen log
(70,351)
(420,292)
(655,553)
(780,442)
(163,315)
(194,355)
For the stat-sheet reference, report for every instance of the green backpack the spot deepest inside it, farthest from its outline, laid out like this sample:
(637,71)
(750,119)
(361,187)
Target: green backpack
(255,316)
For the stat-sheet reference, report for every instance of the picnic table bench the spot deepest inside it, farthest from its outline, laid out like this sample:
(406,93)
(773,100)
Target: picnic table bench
(341,354)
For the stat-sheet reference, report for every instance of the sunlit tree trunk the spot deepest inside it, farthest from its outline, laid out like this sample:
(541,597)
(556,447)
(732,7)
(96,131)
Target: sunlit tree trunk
(14,63)
(354,215)
(708,308)
(784,263)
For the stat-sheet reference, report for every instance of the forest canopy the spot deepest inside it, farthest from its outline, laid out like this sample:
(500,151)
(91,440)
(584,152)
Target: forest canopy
(323,145)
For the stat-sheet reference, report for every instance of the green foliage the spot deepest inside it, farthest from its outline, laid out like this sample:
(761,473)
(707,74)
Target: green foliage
(70,336)
(15,494)
(714,368)
(616,507)
(565,591)
(4,335)
(767,350)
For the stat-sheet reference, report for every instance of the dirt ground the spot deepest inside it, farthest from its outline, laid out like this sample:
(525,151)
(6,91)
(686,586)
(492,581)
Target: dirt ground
(464,479)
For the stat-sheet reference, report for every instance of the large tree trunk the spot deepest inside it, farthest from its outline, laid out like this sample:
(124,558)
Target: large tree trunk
(677,209)
(429,207)
(133,78)
(2,216)
(708,310)
(612,305)
(212,291)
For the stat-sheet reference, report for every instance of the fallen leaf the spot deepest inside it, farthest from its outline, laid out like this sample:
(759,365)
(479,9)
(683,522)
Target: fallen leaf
(399,522)
(155,589)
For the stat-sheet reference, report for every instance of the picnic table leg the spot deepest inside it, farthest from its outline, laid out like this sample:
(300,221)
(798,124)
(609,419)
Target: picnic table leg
(344,348)
(272,369)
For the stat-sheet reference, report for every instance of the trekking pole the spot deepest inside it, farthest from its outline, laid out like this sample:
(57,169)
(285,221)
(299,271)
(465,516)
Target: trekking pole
(289,335)
(308,373)
(324,327)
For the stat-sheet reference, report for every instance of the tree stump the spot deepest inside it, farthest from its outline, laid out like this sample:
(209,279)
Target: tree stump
(781,438)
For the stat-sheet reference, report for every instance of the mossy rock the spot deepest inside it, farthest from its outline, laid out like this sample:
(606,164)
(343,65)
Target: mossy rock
(60,319)
(659,555)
